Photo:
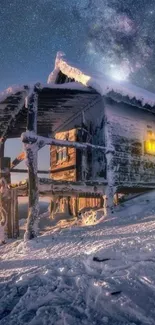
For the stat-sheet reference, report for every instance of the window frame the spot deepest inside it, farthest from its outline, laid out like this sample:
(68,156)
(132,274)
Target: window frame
(61,154)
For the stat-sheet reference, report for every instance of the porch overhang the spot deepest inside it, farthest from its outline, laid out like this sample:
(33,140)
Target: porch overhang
(57,106)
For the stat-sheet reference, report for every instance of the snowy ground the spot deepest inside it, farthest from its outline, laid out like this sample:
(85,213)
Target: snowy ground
(60,279)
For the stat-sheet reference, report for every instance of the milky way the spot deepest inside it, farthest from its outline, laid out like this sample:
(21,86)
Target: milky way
(122,39)
(115,36)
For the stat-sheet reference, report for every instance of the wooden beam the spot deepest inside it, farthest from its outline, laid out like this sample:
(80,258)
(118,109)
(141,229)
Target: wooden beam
(50,187)
(92,182)
(32,163)
(32,138)
(18,159)
(25,171)
(22,157)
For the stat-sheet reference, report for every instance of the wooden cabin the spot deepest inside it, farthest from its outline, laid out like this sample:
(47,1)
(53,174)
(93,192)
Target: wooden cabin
(123,120)
(102,138)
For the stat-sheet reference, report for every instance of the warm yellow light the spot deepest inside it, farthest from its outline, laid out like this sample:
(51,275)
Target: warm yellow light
(150,146)
(150,134)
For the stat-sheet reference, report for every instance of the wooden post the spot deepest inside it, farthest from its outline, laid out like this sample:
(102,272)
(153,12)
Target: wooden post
(53,206)
(110,189)
(84,166)
(116,199)
(32,164)
(14,213)
(75,206)
(2,217)
(5,200)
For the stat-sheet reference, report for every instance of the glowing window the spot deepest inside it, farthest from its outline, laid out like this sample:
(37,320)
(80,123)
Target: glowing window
(61,154)
(149,146)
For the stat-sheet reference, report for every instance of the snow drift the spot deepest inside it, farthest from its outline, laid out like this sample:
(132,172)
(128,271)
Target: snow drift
(101,274)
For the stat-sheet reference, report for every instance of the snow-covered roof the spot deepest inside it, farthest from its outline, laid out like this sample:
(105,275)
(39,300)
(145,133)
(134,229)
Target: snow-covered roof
(103,85)
(57,104)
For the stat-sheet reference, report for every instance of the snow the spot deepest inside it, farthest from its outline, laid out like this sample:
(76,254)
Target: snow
(102,274)
(68,85)
(9,92)
(12,91)
(27,90)
(49,141)
(100,82)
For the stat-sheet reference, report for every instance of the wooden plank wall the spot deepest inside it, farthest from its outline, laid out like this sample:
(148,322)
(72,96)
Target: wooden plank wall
(128,128)
(66,169)
(70,170)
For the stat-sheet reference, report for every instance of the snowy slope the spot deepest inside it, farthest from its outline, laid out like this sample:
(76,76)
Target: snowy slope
(54,279)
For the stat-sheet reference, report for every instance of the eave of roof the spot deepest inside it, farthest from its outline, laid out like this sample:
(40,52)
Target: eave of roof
(57,106)
(121,91)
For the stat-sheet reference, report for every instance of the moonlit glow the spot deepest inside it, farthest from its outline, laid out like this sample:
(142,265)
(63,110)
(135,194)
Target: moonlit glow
(119,73)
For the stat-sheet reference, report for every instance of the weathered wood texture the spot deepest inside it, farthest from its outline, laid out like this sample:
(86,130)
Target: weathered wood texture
(76,167)
(32,164)
(110,189)
(84,157)
(24,171)
(5,200)
(14,213)
(128,129)
(89,202)
(18,159)
(64,169)
(62,186)
(94,116)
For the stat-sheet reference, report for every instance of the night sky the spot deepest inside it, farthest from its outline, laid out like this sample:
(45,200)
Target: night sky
(31,32)
(115,36)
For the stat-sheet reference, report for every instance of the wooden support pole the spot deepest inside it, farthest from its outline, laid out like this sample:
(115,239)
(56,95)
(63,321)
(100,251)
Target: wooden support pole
(31,149)
(14,213)
(75,206)
(53,206)
(2,143)
(110,189)
(5,200)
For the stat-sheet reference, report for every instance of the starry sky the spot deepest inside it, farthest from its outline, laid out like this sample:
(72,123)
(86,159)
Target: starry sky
(114,36)
(31,32)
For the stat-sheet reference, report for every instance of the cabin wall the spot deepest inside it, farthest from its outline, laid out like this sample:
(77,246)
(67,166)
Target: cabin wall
(89,202)
(64,169)
(87,127)
(128,127)
(94,119)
